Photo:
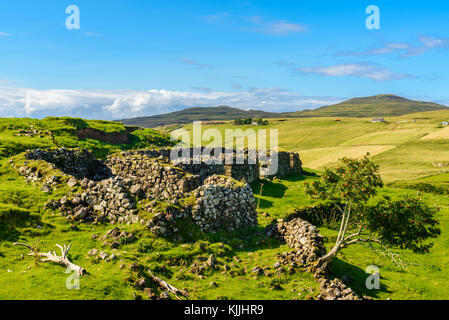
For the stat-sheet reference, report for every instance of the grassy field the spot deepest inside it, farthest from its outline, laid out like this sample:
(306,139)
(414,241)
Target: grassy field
(406,147)
(410,163)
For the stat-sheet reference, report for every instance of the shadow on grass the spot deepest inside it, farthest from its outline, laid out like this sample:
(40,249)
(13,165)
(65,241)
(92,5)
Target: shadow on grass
(359,276)
(17,223)
(263,203)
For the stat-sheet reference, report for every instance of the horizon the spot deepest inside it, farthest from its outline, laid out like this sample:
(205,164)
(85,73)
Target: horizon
(128,59)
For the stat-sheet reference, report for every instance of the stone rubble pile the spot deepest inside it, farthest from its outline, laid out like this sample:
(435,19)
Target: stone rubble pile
(335,289)
(31,132)
(116,237)
(107,200)
(164,224)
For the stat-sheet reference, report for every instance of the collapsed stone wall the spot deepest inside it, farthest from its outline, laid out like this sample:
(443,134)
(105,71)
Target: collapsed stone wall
(107,200)
(301,236)
(164,223)
(152,178)
(78,163)
(308,247)
(221,203)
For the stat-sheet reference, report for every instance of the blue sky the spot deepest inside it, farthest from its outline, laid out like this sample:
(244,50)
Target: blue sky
(136,58)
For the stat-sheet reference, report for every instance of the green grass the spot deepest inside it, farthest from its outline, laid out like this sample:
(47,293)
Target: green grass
(425,277)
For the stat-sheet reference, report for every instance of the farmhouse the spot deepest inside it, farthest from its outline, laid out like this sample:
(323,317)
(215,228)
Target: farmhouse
(378,120)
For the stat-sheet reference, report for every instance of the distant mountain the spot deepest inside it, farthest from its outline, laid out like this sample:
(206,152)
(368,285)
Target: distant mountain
(222,113)
(386,105)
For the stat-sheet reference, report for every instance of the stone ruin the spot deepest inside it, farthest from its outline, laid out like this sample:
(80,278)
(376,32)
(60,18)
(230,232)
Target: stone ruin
(218,194)
(213,196)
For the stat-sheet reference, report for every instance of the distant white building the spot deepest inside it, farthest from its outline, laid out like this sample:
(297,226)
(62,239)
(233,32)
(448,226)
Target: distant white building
(445,123)
(377,120)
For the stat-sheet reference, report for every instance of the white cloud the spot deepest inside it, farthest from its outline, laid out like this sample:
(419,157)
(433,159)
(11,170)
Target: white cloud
(216,17)
(4,34)
(92,34)
(363,70)
(402,49)
(119,104)
(279,28)
(194,63)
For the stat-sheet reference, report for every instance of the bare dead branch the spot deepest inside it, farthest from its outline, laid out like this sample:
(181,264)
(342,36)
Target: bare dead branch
(168,286)
(394,257)
(53,257)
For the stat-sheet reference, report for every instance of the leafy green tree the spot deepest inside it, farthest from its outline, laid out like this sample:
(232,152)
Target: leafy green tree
(407,223)
(349,186)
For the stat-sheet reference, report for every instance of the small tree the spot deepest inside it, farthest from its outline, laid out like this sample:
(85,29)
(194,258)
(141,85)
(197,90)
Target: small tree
(350,185)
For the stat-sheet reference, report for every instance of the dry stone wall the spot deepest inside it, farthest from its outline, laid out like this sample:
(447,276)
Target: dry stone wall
(153,179)
(222,203)
(308,247)
(78,163)
(288,163)
(301,236)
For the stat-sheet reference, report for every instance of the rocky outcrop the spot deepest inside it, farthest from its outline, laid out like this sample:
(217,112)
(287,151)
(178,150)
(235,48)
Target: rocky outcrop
(224,204)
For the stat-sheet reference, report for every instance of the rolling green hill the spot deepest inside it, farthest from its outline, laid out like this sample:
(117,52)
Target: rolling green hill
(222,113)
(377,106)
(385,105)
